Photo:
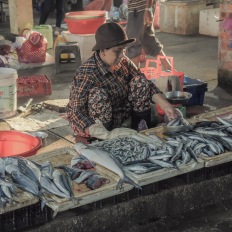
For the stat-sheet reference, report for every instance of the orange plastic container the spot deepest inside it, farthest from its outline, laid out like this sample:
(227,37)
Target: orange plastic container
(153,69)
(15,143)
(84,22)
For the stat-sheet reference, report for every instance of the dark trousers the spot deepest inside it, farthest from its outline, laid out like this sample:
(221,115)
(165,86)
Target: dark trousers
(46,9)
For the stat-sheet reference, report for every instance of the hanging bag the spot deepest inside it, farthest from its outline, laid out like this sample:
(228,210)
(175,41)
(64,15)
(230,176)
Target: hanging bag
(33,50)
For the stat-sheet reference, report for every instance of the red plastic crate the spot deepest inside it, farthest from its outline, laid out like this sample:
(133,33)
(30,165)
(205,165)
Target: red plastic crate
(34,85)
(153,69)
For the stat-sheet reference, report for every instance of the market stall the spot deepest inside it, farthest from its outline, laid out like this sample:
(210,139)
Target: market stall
(83,195)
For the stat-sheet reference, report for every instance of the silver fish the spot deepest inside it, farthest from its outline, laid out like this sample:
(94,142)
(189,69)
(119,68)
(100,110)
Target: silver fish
(57,179)
(225,122)
(50,187)
(84,176)
(2,167)
(25,183)
(209,132)
(161,163)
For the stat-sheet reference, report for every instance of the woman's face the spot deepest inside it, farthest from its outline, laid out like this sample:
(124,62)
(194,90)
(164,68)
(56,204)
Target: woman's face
(113,56)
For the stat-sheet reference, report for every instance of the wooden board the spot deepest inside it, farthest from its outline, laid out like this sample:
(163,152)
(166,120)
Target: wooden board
(82,194)
(164,173)
(218,159)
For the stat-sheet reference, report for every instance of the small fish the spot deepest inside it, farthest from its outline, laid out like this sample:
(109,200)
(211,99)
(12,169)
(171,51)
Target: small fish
(225,122)
(162,164)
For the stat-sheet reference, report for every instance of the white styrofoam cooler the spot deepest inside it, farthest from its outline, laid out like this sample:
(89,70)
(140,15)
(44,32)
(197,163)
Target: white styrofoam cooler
(208,24)
(85,41)
(181,17)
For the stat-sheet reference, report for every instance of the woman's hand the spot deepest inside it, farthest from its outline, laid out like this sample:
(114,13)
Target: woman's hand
(171,112)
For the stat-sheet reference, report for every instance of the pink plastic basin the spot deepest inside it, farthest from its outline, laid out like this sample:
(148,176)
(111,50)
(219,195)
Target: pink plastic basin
(84,22)
(14,143)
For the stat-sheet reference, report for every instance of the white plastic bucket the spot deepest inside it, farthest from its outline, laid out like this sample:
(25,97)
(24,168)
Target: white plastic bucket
(8,92)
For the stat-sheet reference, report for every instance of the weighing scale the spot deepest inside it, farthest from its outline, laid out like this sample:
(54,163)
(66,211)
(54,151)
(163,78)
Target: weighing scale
(178,99)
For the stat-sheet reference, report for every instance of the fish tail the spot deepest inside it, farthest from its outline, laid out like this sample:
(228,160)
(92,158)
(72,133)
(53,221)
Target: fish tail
(127,180)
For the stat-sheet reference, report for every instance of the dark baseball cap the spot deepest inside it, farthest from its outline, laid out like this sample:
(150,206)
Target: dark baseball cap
(109,35)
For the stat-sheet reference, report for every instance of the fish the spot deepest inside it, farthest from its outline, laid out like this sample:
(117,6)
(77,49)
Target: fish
(67,183)
(104,158)
(192,154)
(185,157)
(58,181)
(162,164)
(2,167)
(29,169)
(225,122)
(45,168)
(72,172)
(174,122)
(25,183)
(49,186)
(96,181)
(81,162)
(142,168)
(84,176)
(210,132)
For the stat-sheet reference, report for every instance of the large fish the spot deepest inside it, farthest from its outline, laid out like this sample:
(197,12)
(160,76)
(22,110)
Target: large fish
(103,158)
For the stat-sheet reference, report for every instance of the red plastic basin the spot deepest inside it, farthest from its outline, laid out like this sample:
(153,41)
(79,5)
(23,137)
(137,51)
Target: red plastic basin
(14,143)
(84,22)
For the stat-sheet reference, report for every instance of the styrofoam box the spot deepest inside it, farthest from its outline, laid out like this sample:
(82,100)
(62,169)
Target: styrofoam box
(208,24)
(85,41)
(181,17)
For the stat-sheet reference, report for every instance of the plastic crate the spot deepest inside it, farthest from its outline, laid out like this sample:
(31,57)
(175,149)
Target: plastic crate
(153,69)
(34,85)
(197,88)
(24,218)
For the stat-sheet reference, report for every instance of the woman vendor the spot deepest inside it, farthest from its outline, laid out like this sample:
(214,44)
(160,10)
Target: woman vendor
(108,90)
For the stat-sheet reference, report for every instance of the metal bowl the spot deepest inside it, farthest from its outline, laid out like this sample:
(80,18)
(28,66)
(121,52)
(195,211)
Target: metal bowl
(177,97)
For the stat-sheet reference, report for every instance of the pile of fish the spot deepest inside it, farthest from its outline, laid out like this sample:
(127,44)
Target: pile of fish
(207,138)
(43,180)
(184,143)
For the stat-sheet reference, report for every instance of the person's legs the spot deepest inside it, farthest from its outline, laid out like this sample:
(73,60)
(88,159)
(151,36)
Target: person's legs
(134,29)
(140,99)
(46,8)
(107,5)
(100,107)
(95,5)
(59,15)
(150,43)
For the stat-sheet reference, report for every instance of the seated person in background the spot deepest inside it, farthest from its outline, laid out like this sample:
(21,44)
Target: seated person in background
(108,89)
